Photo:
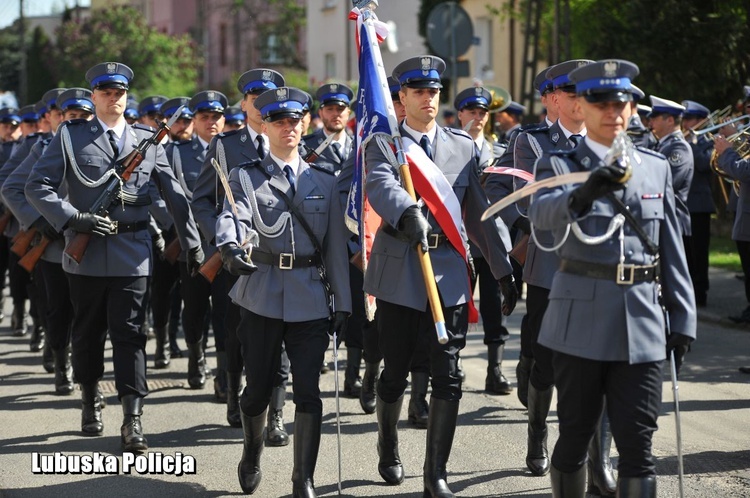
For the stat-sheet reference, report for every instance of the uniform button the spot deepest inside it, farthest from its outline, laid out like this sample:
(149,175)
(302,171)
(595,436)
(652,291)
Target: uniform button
(270,202)
(317,209)
(630,253)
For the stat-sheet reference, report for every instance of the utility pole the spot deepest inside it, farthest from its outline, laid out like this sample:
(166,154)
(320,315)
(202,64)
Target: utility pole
(22,90)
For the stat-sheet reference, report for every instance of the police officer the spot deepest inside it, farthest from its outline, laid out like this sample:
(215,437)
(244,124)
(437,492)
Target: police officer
(394,274)
(131,111)
(666,122)
(638,132)
(182,129)
(108,286)
(473,113)
(334,99)
(603,321)
(508,121)
(282,292)
(10,133)
(231,149)
(149,110)
(187,158)
(49,277)
(700,201)
(234,118)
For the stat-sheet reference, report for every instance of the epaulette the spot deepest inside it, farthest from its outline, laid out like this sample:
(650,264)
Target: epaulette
(458,132)
(33,136)
(249,164)
(536,128)
(141,126)
(46,142)
(229,133)
(650,152)
(322,169)
(562,152)
(77,121)
(177,143)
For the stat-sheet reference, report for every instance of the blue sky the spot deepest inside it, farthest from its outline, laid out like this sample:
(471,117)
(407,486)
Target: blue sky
(9,8)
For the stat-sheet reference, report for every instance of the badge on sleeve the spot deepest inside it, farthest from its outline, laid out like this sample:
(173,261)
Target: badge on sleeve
(675,158)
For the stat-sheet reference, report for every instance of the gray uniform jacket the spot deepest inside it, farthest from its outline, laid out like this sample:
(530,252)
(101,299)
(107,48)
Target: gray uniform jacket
(291,295)
(19,154)
(680,156)
(187,158)
(597,318)
(328,158)
(208,194)
(700,198)
(394,273)
(15,199)
(739,169)
(124,254)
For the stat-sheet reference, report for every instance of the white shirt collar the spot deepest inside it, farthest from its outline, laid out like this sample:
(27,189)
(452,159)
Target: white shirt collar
(597,148)
(293,164)
(417,135)
(341,140)
(549,123)
(568,133)
(203,142)
(479,141)
(119,129)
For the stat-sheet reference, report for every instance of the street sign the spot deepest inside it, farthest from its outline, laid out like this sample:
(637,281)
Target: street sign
(450,31)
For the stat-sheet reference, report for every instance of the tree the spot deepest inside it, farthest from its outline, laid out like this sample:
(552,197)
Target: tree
(10,58)
(162,64)
(39,72)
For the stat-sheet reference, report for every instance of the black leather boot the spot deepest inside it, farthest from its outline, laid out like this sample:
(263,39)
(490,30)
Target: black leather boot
(38,336)
(306,444)
(601,479)
(248,470)
(48,358)
(537,458)
(131,432)
(389,462)
(63,371)
(418,408)
(496,383)
(460,372)
(234,389)
(18,320)
(636,487)
(162,356)
(568,485)
(276,434)
(91,413)
(440,431)
(523,373)
(352,380)
(367,393)
(174,348)
(196,366)
(220,379)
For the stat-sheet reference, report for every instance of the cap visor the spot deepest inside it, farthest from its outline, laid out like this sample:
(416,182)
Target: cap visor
(611,96)
(424,84)
(114,84)
(286,114)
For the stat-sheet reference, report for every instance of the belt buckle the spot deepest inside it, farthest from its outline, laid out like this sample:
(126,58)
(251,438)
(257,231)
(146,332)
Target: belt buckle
(286,261)
(433,241)
(621,270)
(114,227)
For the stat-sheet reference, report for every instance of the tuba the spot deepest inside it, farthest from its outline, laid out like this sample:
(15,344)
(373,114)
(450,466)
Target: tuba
(500,101)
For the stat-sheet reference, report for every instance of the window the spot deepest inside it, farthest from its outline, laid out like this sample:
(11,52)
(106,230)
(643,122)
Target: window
(223,44)
(483,52)
(330,66)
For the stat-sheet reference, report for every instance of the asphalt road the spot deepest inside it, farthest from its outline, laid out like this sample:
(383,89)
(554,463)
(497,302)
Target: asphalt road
(487,458)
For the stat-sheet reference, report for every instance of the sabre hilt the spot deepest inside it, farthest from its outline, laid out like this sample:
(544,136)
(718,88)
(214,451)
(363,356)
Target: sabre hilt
(619,155)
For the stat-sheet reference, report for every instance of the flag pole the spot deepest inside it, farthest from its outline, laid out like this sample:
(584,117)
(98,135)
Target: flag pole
(367,8)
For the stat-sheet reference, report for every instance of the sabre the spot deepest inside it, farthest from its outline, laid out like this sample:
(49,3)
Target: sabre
(678,428)
(338,410)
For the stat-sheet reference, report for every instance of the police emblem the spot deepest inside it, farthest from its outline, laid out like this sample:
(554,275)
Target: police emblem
(195,146)
(270,168)
(266,76)
(211,96)
(426,64)
(243,138)
(333,87)
(675,158)
(281,94)
(79,94)
(478,91)
(610,69)
(94,128)
(111,68)
(585,162)
(555,137)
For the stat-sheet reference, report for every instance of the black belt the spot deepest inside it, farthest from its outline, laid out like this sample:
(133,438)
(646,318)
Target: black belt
(434,240)
(285,260)
(120,227)
(622,274)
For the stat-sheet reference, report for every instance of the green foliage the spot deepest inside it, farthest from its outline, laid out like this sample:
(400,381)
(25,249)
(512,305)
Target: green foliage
(162,64)
(10,58)
(38,71)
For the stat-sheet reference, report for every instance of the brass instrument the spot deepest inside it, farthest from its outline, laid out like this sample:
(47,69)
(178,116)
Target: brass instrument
(718,126)
(501,99)
(717,115)
(741,144)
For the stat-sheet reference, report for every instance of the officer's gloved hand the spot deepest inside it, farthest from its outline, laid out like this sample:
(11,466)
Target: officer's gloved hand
(43,226)
(195,258)
(235,260)
(338,325)
(90,223)
(159,245)
(416,227)
(510,293)
(601,182)
(523,224)
(680,344)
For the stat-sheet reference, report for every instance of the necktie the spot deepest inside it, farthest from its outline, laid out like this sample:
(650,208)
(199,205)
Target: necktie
(337,151)
(113,142)
(291,177)
(575,139)
(426,145)
(261,150)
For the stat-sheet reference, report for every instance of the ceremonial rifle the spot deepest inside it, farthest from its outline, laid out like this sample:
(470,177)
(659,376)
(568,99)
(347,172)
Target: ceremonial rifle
(76,248)
(310,156)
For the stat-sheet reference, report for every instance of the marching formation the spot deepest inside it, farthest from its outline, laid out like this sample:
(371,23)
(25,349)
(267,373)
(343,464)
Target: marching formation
(124,219)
